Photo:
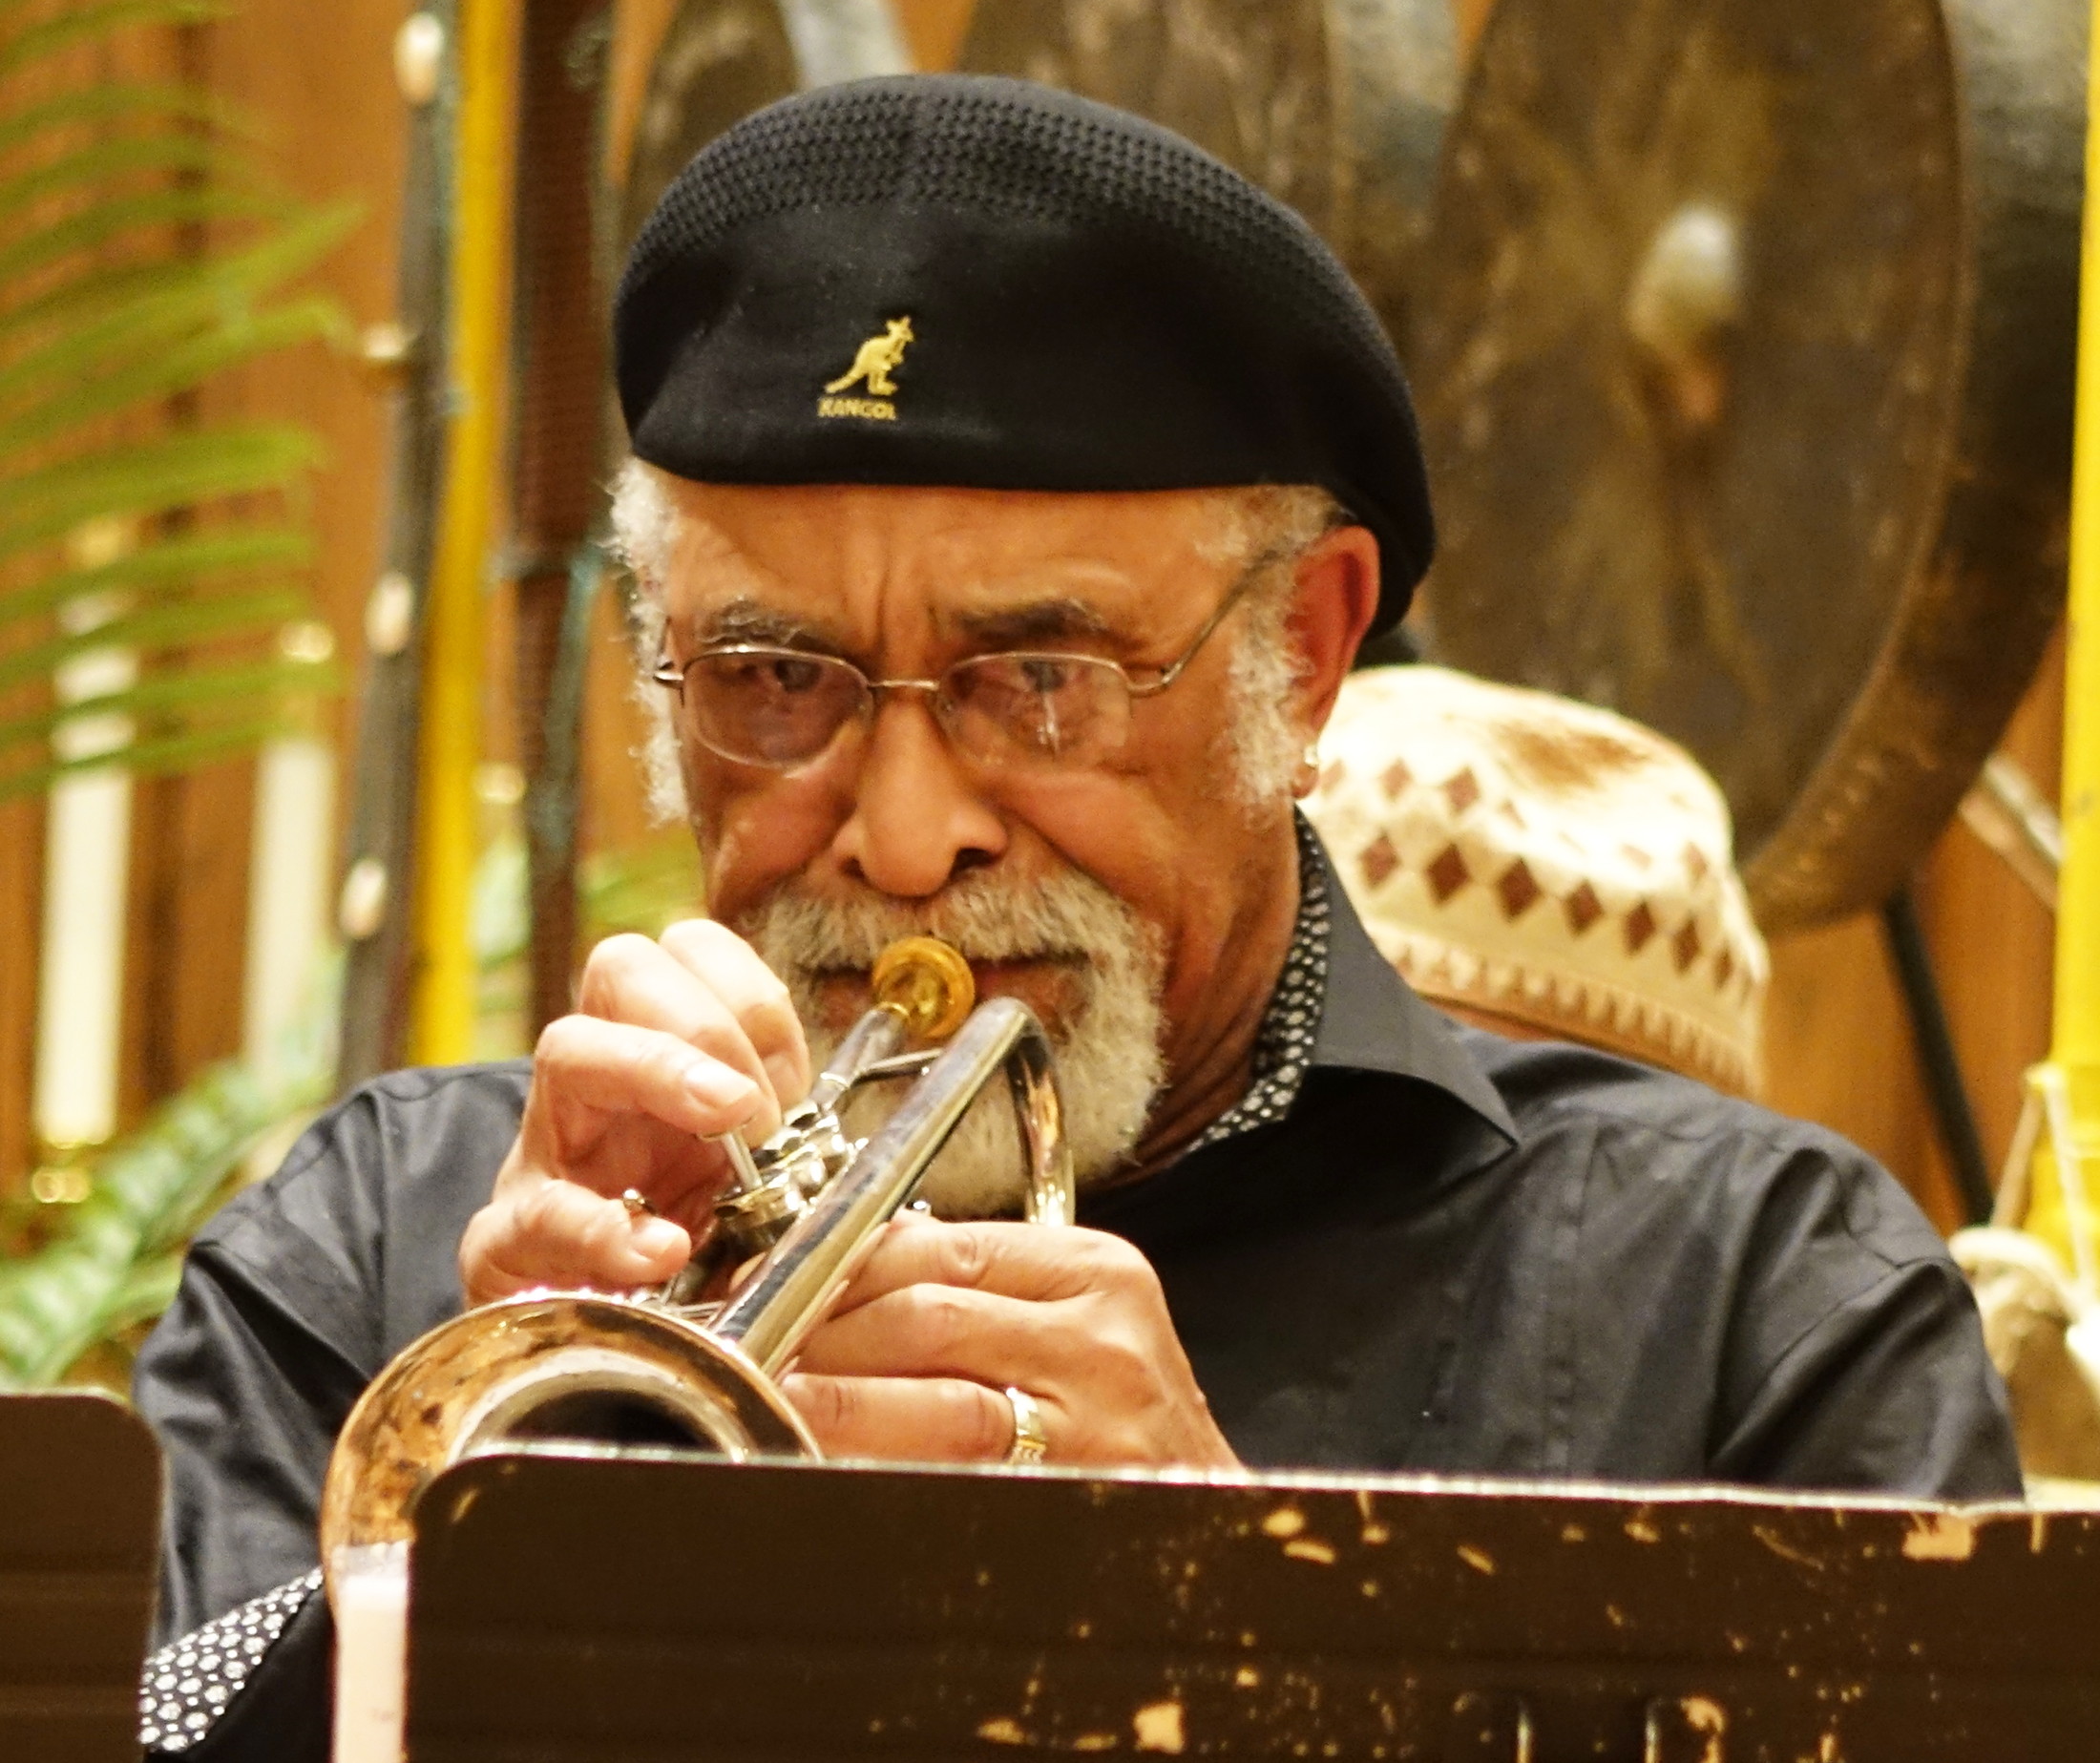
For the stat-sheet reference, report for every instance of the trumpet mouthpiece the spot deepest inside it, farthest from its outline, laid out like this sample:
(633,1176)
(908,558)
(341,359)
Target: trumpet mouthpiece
(926,983)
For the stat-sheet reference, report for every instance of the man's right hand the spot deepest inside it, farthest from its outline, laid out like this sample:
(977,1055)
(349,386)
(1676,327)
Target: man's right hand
(672,1043)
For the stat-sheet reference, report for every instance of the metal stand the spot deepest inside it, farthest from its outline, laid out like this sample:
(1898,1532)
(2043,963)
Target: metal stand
(1936,1056)
(571,1606)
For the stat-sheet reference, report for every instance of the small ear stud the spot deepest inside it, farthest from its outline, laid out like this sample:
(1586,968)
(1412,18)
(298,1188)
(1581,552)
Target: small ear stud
(1308,771)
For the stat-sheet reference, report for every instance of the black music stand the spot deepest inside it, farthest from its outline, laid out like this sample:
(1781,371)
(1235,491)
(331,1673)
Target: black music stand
(80,1517)
(624,1608)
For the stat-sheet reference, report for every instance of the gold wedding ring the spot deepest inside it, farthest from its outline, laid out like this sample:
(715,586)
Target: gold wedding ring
(637,1204)
(1031,1443)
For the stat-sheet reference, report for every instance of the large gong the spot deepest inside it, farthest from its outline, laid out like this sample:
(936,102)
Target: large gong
(720,60)
(1744,353)
(1334,106)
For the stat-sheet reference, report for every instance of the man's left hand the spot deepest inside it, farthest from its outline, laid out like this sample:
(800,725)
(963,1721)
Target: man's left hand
(915,1359)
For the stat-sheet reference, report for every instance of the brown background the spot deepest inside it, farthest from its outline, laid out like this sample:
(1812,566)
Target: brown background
(318,79)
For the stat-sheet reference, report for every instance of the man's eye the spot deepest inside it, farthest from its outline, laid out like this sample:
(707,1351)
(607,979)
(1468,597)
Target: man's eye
(1046,674)
(795,677)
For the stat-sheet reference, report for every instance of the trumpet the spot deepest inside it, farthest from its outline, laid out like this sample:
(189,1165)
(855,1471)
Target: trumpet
(696,1364)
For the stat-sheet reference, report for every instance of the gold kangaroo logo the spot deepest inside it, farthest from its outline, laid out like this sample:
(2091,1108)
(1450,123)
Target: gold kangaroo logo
(878,357)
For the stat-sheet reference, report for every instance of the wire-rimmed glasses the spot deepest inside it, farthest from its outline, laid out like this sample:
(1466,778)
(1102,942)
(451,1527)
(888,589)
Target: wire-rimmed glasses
(780,707)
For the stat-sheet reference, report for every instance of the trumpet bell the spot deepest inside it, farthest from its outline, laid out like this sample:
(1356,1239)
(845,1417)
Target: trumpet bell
(569,1365)
(660,1371)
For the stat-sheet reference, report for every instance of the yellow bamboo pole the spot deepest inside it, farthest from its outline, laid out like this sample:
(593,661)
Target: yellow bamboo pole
(441,999)
(2064,1093)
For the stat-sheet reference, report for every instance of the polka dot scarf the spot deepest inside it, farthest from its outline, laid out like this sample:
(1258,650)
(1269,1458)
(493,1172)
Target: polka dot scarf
(1283,1044)
(188,1684)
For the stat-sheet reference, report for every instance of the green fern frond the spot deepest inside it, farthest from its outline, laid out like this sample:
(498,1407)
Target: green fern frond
(151,477)
(237,689)
(100,106)
(117,160)
(171,624)
(644,889)
(121,217)
(169,757)
(198,561)
(88,23)
(178,368)
(125,307)
(110,308)
(114,1259)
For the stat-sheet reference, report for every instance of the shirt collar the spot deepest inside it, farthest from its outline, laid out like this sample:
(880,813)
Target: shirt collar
(1338,1006)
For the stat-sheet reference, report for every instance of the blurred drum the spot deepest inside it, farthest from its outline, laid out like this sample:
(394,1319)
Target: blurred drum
(1336,107)
(1745,357)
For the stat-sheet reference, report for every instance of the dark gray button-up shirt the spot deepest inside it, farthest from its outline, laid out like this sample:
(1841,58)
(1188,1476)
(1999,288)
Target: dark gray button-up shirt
(1412,1246)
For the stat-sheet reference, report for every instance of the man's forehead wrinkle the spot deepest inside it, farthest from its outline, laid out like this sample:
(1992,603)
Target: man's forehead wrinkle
(746,618)
(1062,616)
(713,573)
(1035,596)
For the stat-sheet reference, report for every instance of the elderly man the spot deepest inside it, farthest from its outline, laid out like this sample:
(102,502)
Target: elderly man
(1014,486)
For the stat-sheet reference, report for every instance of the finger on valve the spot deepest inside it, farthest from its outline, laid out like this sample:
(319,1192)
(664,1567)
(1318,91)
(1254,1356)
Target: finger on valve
(753,993)
(633,982)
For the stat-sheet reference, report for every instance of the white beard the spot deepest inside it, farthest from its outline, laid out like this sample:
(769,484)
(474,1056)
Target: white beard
(1108,1061)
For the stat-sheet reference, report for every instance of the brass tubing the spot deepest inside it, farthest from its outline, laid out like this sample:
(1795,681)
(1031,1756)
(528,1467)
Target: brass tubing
(873,1038)
(795,1285)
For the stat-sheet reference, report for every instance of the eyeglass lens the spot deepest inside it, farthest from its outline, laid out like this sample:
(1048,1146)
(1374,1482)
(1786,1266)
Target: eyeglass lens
(771,707)
(780,708)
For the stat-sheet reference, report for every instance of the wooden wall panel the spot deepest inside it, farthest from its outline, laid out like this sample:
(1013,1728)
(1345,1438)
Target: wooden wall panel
(318,85)
(935,28)
(189,842)
(21,905)
(1837,1050)
(1838,1037)
(637,30)
(22,838)
(318,81)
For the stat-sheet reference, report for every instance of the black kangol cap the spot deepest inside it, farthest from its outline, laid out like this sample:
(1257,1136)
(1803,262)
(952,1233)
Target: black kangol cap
(990,284)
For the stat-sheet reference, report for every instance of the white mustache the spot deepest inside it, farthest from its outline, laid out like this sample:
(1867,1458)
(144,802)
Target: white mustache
(1109,1043)
(1065,916)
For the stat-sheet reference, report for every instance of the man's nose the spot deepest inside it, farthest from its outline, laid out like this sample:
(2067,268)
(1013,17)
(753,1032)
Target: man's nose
(917,819)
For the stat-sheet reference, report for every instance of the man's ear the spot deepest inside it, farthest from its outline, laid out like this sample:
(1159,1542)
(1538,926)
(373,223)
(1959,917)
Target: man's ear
(1337,597)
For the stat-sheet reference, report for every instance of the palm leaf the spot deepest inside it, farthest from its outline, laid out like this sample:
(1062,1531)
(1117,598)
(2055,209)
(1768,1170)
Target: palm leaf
(116,161)
(100,105)
(108,312)
(195,559)
(167,756)
(131,308)
(126,216)
(128,305)
(150,477)
(174,368)
(236,690)
(116,1258)
(183,623)
(88,23)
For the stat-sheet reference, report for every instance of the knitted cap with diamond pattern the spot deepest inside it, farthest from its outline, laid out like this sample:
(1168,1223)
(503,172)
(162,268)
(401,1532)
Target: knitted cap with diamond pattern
(1547,861)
